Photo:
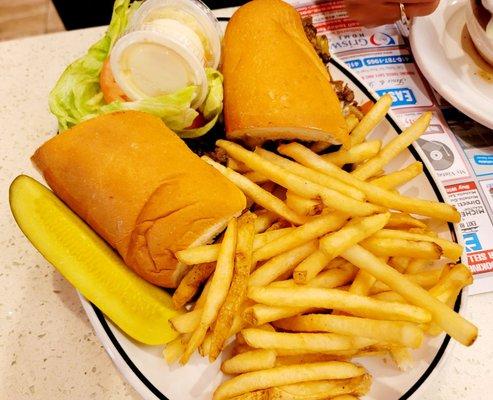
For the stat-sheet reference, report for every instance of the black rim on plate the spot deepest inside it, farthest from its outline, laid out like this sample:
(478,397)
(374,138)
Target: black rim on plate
(457,305)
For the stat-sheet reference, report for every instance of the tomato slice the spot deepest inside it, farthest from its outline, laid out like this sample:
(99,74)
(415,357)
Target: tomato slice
(109,87)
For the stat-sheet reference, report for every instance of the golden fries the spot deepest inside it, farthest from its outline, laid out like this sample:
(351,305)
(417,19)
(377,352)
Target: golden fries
(398,178)
(393,148)
(255,177)
(313,229)
(191,282)
(209,252)
(450,249)
(174,349)
(286,375)
(260,314)
(404,248)
(239,283)
(335,243)
(187,322)
(311,175)
(374,193)
(306,342)
(322,390)
(302,205)
(451,322)
(338,300)
(356,154)
(296,184)
(257,194)
(425,279)
(220,282)
(280,264)
(333,267)
(254,360)
(397,332)
(371,120)
(264,220)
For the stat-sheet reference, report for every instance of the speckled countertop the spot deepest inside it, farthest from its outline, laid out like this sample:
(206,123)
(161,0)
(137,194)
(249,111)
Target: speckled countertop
(47,347)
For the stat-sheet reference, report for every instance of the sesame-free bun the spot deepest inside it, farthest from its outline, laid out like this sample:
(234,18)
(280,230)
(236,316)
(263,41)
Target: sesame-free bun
(275,85)
(138,185)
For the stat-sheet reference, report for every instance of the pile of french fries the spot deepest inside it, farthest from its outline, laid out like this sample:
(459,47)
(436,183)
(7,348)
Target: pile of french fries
(328,267)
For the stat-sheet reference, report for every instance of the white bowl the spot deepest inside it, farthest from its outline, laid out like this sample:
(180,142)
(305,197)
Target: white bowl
(483,43)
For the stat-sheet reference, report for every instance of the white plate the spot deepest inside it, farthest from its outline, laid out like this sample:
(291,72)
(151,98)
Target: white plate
(437,49)
(144,367)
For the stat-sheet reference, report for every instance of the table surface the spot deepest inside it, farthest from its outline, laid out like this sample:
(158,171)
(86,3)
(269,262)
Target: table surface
(48,349)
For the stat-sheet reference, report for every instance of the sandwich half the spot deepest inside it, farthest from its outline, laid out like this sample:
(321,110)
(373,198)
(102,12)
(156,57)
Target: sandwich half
(138,185)
(275,85)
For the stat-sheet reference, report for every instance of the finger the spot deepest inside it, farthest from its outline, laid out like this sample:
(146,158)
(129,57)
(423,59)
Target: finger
(380,14)
(420,10)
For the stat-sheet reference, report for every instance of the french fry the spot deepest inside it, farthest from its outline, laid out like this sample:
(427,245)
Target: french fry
(450,249)
(393,148)
(237,166)
(187,322)
(416,265)
(174,349)
(307,342)
(402,357)
(301,186)
(403,221)
(345,397)
(257,194)
(373,193)
(335,243)
(286,375)
(399,263)
(372,118)
(451,322)
(332,278)
(321,390)
(313,229)
(264,220)
(457,277)
(209,252)
(425,279)
(249,361)
(260,314)
(306,358)
(398,178)
(404,248)
(390,296)
(191,282)
(313,264)
(220,282)
(302,205)
(397,332)
(239,283)
(356,154)
(203,296)
(256,395)
(255,177)
(310,174)
(282,263)
(362,284)
(339,300)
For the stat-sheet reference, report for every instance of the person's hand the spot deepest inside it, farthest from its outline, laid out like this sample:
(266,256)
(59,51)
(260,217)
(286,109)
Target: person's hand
(381,12)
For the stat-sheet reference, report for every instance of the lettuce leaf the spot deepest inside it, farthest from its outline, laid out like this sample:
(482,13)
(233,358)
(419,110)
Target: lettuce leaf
(77,95)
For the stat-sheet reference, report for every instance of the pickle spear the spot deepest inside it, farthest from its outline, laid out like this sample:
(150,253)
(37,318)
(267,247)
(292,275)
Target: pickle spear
(139,308)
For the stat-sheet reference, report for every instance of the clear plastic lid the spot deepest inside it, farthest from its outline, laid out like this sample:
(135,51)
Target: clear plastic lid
(193,13)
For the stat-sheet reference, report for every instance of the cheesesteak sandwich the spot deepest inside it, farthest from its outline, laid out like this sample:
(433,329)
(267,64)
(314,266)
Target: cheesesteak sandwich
(275,84)
(137,184)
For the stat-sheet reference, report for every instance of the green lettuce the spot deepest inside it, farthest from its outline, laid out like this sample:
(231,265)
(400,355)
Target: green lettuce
(77,95)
